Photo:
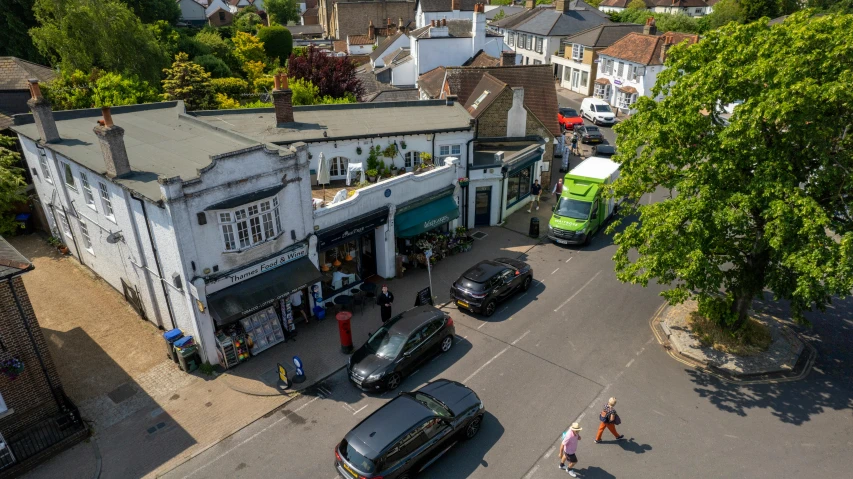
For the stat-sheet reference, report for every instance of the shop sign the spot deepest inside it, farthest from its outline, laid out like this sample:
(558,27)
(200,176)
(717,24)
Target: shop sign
(617,81)
(430,224)
(286,256)
(341,235)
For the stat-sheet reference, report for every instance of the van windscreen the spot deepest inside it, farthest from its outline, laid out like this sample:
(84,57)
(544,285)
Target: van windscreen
(602,108)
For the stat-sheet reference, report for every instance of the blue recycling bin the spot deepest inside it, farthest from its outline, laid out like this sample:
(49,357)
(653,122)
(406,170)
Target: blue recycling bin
(171,337)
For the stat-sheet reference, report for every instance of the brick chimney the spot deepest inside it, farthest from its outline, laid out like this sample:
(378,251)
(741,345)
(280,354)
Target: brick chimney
(563,6)
(650,28)
(455,5)
(282,99)
(111,138)
(667,44)
(400,24)
(370,34)
(42,114)
(529,4)
(432,23)
(507,58)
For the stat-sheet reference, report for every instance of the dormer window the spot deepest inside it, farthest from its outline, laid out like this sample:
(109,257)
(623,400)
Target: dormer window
(249,225)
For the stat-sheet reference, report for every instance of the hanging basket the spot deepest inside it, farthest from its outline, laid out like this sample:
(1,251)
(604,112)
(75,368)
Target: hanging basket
(12,368)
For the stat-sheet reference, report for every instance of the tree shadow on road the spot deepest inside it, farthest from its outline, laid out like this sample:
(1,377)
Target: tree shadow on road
(827,388)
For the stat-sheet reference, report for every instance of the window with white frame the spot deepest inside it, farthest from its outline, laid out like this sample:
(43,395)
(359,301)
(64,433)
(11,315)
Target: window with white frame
(608,66)
(87,240)
(45,169)
(636,71)
(510,39)
(106,202)
(530,42)
(577,52)
(602,91)
(87,191)
(338,166)
(250,225)
(537,62)
(584,78)
(69,177)
(625,100)
(412,159)
(539,44)
(520,43)
(620,69)
(448,151)
(567,73)
(63,224)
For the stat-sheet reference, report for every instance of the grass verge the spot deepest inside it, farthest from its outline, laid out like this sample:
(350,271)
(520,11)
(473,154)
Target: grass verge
(750,340)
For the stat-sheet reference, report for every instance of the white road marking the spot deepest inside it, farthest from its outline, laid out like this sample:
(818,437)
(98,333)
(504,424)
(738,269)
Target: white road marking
(640,351)
(252,437)
(629,363)
(530,474)
(324,390)
(573,345)
(558,269)
(577,292)
(520,337)
(570,258)
(729,435)
(360,409)
(484,365)
(658,412)
(484,323)
(347,406)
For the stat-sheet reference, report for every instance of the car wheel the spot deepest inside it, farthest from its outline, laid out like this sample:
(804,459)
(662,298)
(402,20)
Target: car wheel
(489,308)
(446,344)
(393,381)
(405,475)
(473,427)
(527,282)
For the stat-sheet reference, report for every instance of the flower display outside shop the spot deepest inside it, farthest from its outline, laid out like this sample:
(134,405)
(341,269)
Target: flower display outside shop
(12,367)
(442,244)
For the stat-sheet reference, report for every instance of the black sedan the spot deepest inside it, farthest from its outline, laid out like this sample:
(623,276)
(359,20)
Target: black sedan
(410,432)
(399,347)
(489,282)
(589,134)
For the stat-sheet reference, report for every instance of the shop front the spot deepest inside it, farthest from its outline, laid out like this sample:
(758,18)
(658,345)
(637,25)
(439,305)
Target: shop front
(427,227)
(348,252)
(254,308)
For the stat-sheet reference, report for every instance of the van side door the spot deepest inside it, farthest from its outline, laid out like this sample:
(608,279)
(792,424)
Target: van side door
(594,216)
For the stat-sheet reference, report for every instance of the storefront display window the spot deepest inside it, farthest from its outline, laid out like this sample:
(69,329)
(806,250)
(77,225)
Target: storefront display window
(340,267)
(518,186)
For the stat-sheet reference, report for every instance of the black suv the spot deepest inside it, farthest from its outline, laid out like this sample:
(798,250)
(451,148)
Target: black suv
(399,346)
(410,432)
(483,286)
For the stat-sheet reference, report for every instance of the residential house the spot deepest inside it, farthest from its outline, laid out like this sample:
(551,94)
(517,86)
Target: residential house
(709,6)
(341,19)
(37,420)
(14,89)
(692,8)
(310,15)
(428,10)
(306,32)
(515,107)
(629,67)
(535,34)
(202,219)
(493,11)
(193,12)
(221,12)
(577,66)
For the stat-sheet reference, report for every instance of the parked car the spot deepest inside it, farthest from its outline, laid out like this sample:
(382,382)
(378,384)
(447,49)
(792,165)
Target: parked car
(399,347)
(597,111)
(589,134)
(410,432)
(568,118)
(603,150)
(481,288)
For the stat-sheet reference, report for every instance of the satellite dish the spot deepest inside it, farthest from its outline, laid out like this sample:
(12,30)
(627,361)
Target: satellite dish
(114,238)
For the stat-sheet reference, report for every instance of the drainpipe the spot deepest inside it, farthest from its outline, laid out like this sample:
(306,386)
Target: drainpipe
(503,180)
(469,149)
(157,262)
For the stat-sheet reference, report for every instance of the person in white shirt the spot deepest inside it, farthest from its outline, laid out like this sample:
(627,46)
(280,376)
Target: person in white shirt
(296,304)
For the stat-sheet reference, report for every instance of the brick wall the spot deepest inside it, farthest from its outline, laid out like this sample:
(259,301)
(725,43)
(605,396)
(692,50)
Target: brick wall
(29,394)
(353,18)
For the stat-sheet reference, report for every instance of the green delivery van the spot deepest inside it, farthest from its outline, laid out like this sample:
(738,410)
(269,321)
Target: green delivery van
(580,210)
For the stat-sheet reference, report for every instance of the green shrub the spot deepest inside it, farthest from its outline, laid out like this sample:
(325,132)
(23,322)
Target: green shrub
(264,84)
(278,42)
(233,87)
(213,65)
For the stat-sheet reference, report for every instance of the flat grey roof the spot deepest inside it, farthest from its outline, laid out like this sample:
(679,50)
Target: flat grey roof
(484,154)
(354,120)
(160,141)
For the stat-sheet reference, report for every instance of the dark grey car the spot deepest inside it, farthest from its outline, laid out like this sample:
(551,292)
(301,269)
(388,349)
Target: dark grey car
(489,282)
(589,134)
(410,432)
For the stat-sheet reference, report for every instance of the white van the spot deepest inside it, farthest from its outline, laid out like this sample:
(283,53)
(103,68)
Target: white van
(597,111)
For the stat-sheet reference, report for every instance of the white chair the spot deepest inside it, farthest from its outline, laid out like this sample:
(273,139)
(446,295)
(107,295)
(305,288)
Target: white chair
(339,196)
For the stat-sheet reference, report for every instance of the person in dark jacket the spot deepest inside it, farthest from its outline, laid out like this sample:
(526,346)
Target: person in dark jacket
(384,300)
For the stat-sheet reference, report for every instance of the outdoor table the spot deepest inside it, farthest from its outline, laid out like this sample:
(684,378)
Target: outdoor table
(343,300)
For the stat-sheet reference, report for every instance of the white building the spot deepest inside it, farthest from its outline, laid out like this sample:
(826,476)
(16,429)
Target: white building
(428,10)
(192,11)
(692,8)
(205,219)
(535,33)
(629,67)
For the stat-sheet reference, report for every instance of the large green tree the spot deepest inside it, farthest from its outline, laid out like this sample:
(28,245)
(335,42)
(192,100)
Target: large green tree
(149,11)
(81,34)
(282,11)
(16,18)
(278,42)
(188,82)
(755,9)
(78,89)
(11,184)
(758,201)
(725,11)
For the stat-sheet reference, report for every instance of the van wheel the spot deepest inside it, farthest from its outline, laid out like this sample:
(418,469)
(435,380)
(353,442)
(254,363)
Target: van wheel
(489,308)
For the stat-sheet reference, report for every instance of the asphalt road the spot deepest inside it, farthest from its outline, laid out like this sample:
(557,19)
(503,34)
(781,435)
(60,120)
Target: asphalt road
(606,131)
(553,356)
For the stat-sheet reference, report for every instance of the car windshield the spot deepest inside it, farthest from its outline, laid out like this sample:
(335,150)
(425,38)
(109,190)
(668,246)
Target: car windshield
(386,343)
(578,210)
(355,458)
(592,129)
(568,112)
(432,404)
(602,108)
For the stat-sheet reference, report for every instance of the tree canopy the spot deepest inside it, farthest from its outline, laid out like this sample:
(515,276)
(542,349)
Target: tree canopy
(725,11)
(16,18)
(188,82)
(77,89)
(11,184)
(149,11)
(278,42)
(758,201)
(282,11)
(334,76)
(81,34)
(665,22)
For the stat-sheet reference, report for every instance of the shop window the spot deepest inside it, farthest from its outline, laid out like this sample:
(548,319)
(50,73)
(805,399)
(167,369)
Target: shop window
(448,151)
(518,186)
(69,177)
(584,78)
(338,166)
(250,225)
(412,159)
(346,264)
(106,202)
(87,191)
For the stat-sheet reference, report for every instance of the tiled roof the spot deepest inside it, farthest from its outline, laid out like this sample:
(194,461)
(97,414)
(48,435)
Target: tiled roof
(377,53)
(603,35)
(409,94)
(432,81)
(628,89)
(507,9)
(340,46)
(360,40)
(15,72)
(540,97)
(680,3)
(311,12)
(5,121)
(602,81)
(484,94)
(12,262)
(445,5)
(482,59)
(397,57)
(455,29)
(548,22)
(369,82)
(644,49)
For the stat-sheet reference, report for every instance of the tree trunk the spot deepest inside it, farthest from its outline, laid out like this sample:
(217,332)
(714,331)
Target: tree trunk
(740,310)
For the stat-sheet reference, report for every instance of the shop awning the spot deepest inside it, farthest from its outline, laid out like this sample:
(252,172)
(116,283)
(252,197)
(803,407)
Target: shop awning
(252,295)
(426,217)
(524,160)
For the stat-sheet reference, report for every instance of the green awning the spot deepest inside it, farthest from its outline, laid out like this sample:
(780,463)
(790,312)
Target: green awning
(426,217)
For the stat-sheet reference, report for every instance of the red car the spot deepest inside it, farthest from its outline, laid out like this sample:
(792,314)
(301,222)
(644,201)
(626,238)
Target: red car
(568,118)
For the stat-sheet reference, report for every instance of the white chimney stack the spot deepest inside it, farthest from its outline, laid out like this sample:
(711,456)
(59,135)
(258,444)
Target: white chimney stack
(478,28)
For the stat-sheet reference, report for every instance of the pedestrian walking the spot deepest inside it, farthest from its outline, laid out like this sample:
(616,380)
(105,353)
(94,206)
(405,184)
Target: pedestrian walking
(296,304)
(568,449)
(384,300)
(575,144)
(609,420)
(536,191)
(558,188)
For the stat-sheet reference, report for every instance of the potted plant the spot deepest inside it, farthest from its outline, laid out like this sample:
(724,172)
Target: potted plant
(403,145)
(12,368)
(372,174)
(358,150)
(463,182)
(63,249)
(54,241)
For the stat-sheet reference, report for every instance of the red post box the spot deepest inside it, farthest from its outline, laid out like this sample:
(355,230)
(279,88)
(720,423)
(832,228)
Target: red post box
(345,331)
